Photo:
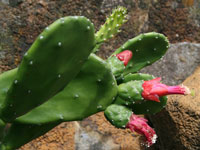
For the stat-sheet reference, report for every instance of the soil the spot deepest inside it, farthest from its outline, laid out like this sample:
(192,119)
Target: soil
(62,137)
(175,23)
(59,138)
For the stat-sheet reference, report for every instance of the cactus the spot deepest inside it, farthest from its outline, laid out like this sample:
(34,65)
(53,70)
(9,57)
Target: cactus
(146,48)
(63,106)
(118,115)
(119,61)
(2,129)
(122,117)
(111,27)
(77,86)
(131,90)
(140,97)
(143,106)
(95,73)
(100,91)
(137,76)
(93,89)
(56,47)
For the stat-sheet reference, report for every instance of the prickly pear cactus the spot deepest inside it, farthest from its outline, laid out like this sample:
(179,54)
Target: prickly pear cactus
(118,115)
(57,70)
(63,46)
(146,48)
(111,27)
(75,102)
(95,73)
(130,98)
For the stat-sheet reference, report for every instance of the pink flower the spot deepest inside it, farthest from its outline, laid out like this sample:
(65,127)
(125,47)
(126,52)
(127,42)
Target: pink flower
(139,125)
(125,56)
(153,89)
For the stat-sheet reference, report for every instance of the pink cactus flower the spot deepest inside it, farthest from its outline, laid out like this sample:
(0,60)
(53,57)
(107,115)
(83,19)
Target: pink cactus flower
(139,125)
(153,89)
(125,56)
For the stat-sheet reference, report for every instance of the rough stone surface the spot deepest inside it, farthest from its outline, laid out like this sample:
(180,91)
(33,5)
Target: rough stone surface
(24,20)
(93,133)
(178,126)
(171,18)
(178,63)
(194,12)
(96,133)
(5,2)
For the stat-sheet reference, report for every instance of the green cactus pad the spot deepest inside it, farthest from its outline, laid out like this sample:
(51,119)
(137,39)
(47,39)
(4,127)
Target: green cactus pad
(143,107)
(118,115)
(53,60)
(137,76)
(6,80)
(93,89)
(120,101)
(131,91)
(112,25)
(147,48)
(117,66)
(2,127)
(131,77)
(140,107)
(149,107)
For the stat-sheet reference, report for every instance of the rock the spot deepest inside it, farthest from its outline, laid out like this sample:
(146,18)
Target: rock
(93,133)
(5,1)
(21,24)
(15,2)
(175,20)
(96,133)
(195,13)
(87,138)
(6,39)
(178,126)
(178,63)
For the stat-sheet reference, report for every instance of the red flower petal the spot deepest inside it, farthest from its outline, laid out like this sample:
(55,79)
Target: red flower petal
(153,89)
(139,125)
(125,56)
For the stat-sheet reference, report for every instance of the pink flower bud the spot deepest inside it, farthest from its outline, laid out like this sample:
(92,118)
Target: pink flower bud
(139,125)
(153,89)
(125,56)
